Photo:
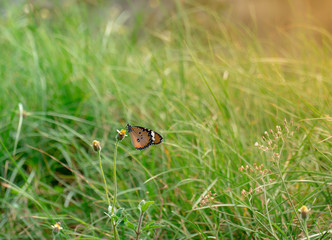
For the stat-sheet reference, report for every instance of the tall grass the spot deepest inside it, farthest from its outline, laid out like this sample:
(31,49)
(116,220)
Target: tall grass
(210,90)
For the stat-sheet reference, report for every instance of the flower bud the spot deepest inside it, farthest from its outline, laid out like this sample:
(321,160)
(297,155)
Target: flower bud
(304,212)
(96,146)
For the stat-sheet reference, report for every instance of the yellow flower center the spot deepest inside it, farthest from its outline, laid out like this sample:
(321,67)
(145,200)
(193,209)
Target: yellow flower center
(304,209)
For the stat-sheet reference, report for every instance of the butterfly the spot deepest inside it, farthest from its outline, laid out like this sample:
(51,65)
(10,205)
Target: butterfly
(142,137)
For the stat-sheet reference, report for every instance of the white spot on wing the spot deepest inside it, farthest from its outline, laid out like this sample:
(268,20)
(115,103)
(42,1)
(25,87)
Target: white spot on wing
(152,135)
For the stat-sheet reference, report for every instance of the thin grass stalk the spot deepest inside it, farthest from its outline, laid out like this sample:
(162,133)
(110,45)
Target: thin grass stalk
(115,190)
(102,173)
(286,190)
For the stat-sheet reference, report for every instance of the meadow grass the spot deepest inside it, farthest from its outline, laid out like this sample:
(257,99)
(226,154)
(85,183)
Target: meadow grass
(75,73)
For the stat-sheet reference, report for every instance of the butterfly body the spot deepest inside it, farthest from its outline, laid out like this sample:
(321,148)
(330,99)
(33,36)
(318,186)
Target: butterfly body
(142,138)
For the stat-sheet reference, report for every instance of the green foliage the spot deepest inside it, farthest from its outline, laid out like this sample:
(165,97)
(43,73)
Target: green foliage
(143,205)
(130,225)
(138,228)
(83,71)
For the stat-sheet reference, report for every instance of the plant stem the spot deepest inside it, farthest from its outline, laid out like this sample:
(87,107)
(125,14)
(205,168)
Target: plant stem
(306,229)
(108,200)
(114,176)
(102,173)
(115,190)
(139,225)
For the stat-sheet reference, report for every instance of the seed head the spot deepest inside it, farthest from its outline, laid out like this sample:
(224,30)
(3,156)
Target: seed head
(96,146)
(241,169)
(243,192)
(208,199)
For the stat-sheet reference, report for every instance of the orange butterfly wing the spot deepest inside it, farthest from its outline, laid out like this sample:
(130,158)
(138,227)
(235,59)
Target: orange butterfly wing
(140,137)
(157,138)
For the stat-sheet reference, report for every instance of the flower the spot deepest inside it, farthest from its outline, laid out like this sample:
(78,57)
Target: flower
(304,212)
(96,146)
(121,134)
(56,228)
